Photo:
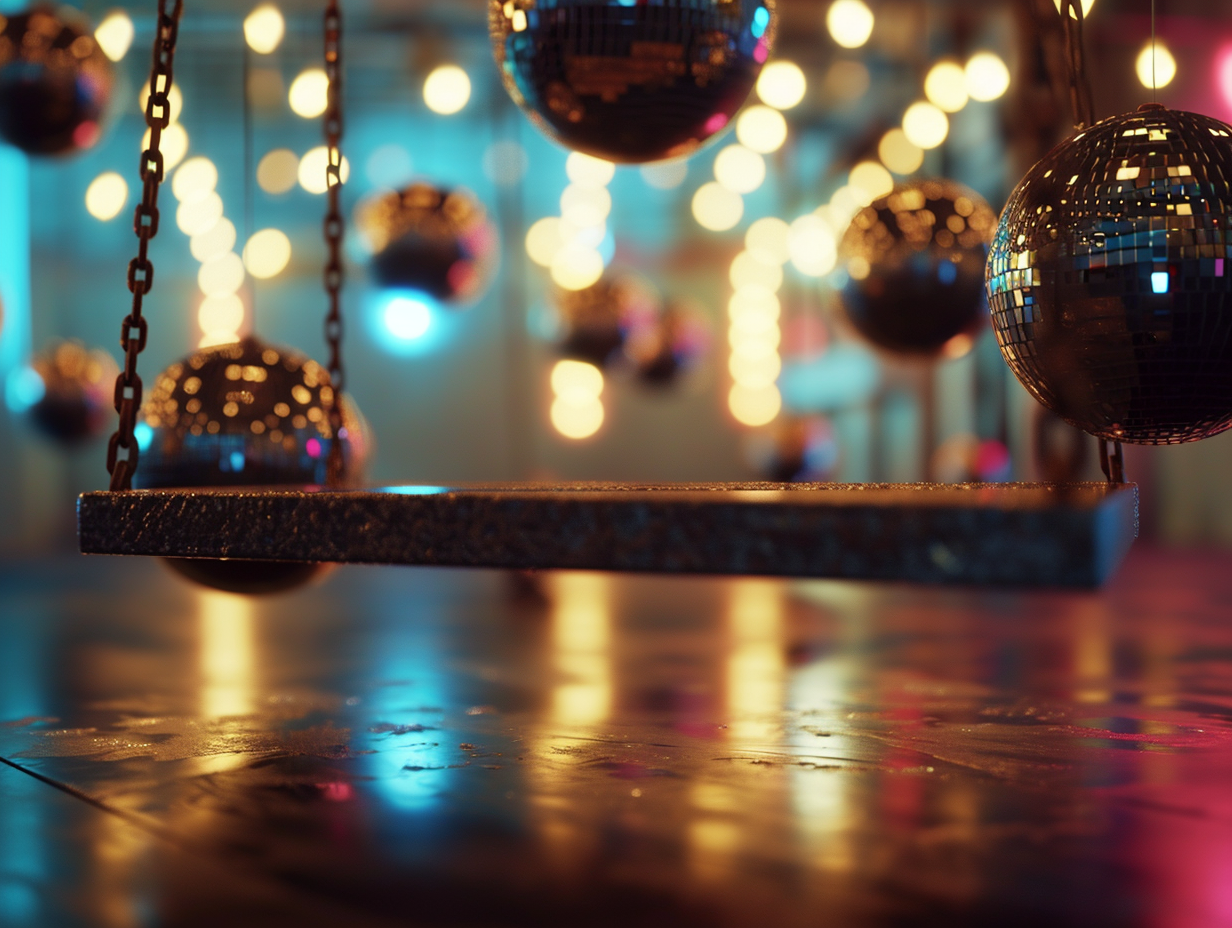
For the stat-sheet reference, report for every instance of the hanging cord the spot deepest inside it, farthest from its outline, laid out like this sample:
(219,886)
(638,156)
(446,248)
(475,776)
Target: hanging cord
(249,172)
(335,228)
(140,270)
(1075,51)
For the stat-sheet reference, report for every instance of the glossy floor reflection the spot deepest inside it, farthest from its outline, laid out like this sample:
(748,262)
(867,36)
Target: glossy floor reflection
(422,747)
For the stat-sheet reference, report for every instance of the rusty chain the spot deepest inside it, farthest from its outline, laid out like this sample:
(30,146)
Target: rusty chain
(334,231)
(140,270)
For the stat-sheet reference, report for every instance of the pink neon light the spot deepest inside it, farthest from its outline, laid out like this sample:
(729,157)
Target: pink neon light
(1223,73)
(715,123)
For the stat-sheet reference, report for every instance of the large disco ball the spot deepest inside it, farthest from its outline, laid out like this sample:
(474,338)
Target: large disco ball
(596,321)
(436,241)
(71,393)
(915,265)
(630,82)
(1110,278)
(55,82)
(243,414)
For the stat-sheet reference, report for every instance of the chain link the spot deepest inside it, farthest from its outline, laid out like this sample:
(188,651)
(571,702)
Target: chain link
(335,229)
(134,330)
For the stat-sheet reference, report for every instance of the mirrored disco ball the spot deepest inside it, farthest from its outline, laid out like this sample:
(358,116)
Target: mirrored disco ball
(437,241)
(596,321)
(668,345)
(1110,278)
(244,414)
(915,265)
(71,393)
(626,81)
(55,82)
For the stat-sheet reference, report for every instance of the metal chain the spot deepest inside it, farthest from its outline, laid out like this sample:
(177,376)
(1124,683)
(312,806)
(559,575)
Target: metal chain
(140,269)
(335,229)
(1075,50)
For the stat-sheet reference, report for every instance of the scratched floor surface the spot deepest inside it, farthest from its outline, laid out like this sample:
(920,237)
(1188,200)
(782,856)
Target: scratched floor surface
(415,747)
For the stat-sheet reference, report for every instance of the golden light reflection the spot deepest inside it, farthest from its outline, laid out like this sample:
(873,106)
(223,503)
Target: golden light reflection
(755,667)
(227,660)
(581,636)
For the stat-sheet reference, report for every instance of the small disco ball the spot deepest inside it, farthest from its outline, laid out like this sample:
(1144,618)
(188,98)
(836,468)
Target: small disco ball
(630,82)
(796,450)
(71,393)
(668,345)
(915,264)
(1110,278)
(596,322)
(243,414)
(439,242)
(55,82)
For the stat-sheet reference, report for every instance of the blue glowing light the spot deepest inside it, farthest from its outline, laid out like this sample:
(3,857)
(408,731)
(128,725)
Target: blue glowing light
(947,272)
(414,490)
(407,318)
(1159,282)
(844,376)
(144,435)
(761,19)
(236,460)
(23,389)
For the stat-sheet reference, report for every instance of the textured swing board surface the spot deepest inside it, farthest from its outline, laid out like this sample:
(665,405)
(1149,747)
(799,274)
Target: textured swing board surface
(1071,535)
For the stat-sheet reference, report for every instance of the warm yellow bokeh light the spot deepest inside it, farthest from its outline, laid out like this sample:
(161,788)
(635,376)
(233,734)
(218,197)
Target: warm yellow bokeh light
(106,196)
(755,305)
(199,215)
(761,128)
(756,405)
(221,276)
(850,22)
(767,238)
(812,245)
(312,170)
(665,175)
(196,178)
(278,171)
(576,267)
(577,422)
(755,371)
(114,35)
(543,240)
(872,178)
(173,145)
(264,29)
(221,315)
(781,84)
(174,97)
(267,253)
(213,242)
(751,270)
(585,206)
(716,208)
(925,125)
(899,153)
(309,93)
(1156,73)
(577,382)
(946,86)
(987,77)
(844,203)
(739,169)
(1086,8)
(589,171)
(447,89)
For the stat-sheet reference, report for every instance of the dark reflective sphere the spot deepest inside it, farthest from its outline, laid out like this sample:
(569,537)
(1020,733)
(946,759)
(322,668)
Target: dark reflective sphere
(628,81)
(1110,278)
(437,241)
(595,322)
(668,345)
(54,83)
(73,401)
(244,414)
(915,263)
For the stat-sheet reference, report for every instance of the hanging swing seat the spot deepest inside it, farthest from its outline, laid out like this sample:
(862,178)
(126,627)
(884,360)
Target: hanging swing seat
(1023,535)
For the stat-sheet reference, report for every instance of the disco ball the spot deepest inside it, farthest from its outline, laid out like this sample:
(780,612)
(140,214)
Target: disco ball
(437,241)
(71,393)
(1110,278)
(244,414)
(630,82)
(55,82)
(915,265)
(595,322)
(668,345)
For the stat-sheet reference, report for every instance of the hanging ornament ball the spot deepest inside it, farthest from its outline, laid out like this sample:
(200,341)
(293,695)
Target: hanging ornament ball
(1110,278)
(55,82)
(915,265)
(595,322)
(630,82)
(668,345)
(71,392)
(243,414)
(436,241)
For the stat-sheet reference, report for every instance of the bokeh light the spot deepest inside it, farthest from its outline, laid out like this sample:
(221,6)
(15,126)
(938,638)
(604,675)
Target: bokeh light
(577,422)
(751,270)
(716,208)
(850,22)
(899,153)
(312,170)
(222,275)
(925,124)
(309,93)
(215,241)
(264,29)
(278,171)
(588,171)
(585,206)
(114,35)
(761,128)
(781,84)
(407,318)
(543,240)
(987,77)
(754,405)
(739,169)
(946,86)
(576,267)
(871,178)
(267,253)
(1086,8)
(665,175)
(577,410)
(767,238)
(812,246)
(175,98)
(173,145)
(195,179)
(199,215)
(220,318)
(1155,71)
(447,89)
(106,196)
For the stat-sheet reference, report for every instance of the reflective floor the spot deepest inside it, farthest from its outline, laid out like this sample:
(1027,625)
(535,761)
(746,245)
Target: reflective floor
(413,747)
